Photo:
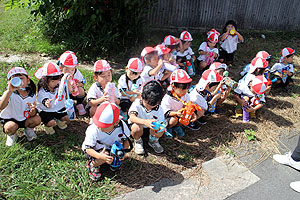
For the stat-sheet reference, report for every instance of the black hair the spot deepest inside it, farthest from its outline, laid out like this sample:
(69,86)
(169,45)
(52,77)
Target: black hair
(210,85)
(30,87)
(97,73)
(172,46)
(232,22)
(182,85)
(289,55)
(152,93)
(149,56)
(259,71)
(43,83)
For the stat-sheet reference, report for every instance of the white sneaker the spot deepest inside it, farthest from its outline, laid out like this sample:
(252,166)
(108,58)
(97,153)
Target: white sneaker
(138,146)
(287,160)
(30,134)
(295,186)
(49,130)
(11,139)
(61,124)
(156,146)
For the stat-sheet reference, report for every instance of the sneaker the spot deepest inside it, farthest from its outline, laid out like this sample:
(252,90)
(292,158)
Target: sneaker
(193,126)
(11,140)
(156,146)
(94,172)
(138,146)
(61,124)
(81,110)
(201,121)
(168,134)
(287,160)
(179,131)
(295,186)
(49,130)
(252,115)
(30,134)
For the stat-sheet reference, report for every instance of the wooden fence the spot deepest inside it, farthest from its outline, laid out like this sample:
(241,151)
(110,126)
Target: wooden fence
(203,14)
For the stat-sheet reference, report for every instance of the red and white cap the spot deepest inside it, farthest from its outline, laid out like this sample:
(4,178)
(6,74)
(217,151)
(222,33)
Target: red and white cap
(48,69)
(68,59)
(259,84)
(186,36)
(101,66)
(170,40)
(106,115)
(213,36)
(147,50)
(162,49)
(285,52)
(218,65)
(135,65)
(208,76)
(16,70)
(180,76)
(263,55)
(257,62)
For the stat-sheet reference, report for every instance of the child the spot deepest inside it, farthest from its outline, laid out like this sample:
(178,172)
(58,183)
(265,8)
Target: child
(284,70)
(229,41)
(52,110)
(174,44)
(17,106)
(260,54)
(207,50)
(165,54)
(251,96)
(153,66)
(205,94)
(126,85)
(68,63)
(142,113)
(174,99)
(186,52)
(107,128)
(96,94)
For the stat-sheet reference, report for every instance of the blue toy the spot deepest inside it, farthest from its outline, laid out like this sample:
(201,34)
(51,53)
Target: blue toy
(161,127)
(117,152)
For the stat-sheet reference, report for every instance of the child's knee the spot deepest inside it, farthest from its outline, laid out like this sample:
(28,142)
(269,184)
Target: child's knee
(136,130)
(92,111)
(202,64)
(173,121)
(33,121)
(51,123)
(10,128)
(65,118)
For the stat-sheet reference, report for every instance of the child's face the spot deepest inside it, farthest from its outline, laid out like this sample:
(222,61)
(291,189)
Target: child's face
(220,71)
(53,83)
(179,91)
(167,56)
(109,129)
(229,26)
(70,70)
(211,89)
(211,44)
(25,80)
(289,59)
(149,107)
(153,61)
(104,78)
(187,45)
(132,75)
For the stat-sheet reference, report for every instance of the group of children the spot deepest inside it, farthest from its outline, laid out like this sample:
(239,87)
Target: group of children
(154,98)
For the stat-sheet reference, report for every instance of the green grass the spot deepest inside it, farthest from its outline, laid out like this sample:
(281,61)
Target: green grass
(21,33)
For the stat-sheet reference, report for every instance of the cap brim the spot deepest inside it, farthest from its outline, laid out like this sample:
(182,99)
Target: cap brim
(103,125)
(201,84)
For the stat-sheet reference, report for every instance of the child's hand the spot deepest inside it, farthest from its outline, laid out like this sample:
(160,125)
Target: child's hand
(207,54)
(215,54)
(148,123)
(11,88)
(179,113)
(249,109)
(194,117)
(105,97)
(31,106)
(105,156)
(48,103)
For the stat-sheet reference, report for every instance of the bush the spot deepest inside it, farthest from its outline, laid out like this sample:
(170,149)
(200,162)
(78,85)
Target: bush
(93,28)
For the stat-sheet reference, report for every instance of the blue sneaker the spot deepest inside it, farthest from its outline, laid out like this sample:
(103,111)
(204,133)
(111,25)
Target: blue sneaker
(179,131)
(168,134)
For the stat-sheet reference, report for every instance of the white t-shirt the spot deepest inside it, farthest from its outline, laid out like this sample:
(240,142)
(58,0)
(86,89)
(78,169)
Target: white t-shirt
(206,48)
(96,139)
(17,107)
(187,54)
(126,86)
(96,92)
(243,89)
(199,99)
(246,79)
(43,95)
(277,67)
(147,77)
(78,75)
(140,111)
(230,43)
(170,103)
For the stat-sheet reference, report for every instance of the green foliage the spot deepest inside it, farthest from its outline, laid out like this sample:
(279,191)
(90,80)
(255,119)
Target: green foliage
(250,134)
(91,27)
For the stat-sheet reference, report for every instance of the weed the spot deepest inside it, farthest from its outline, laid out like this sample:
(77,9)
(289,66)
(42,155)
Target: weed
(250,134)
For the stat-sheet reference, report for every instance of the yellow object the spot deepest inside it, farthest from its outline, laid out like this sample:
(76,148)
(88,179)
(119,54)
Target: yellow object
(232,31)
(253,115)
(239,112)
